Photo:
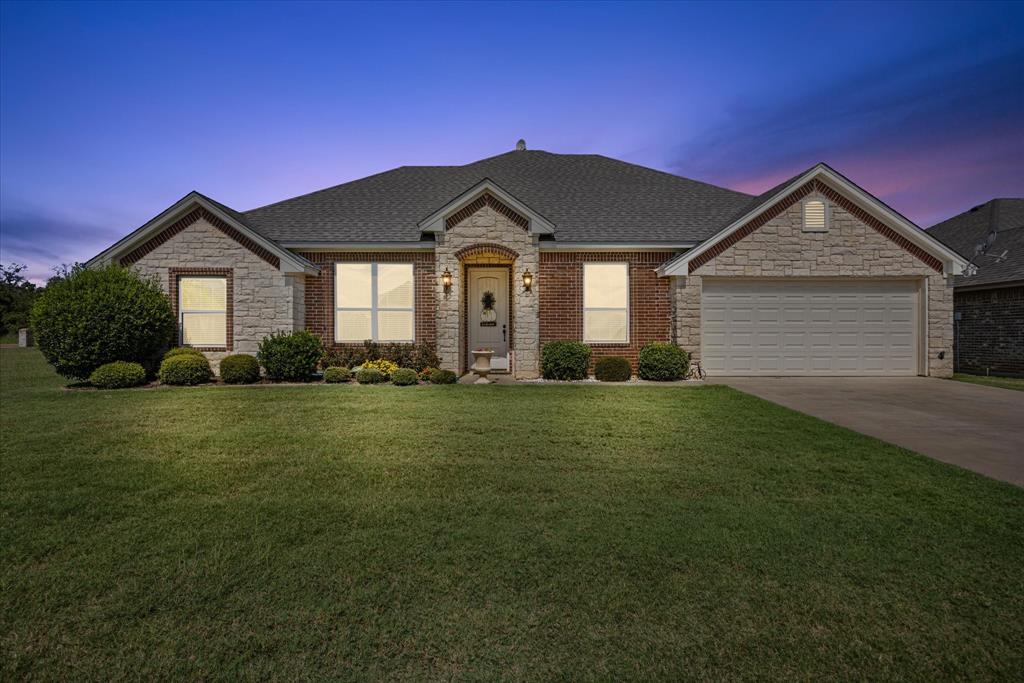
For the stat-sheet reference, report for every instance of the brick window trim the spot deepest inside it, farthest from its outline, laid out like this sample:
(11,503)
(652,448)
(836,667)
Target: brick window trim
(464,323)
(174,274)
(188,219)
(830,193)
(319,292)
(561,300)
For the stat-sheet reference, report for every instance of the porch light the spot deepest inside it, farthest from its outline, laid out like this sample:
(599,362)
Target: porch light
(446,280)
(527,280)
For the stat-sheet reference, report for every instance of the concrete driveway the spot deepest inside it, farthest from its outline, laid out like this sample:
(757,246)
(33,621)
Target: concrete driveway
(979,428)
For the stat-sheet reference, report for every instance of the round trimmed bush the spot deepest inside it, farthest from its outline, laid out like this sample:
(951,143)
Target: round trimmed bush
(564,360)
(183,351)
(404,377)
(612,369)
(443,377)
(336,375)
(240,368)
(425,373)
(662,362)
(185,369)
(291,356)
(370,376)
(97,316)
(118,375)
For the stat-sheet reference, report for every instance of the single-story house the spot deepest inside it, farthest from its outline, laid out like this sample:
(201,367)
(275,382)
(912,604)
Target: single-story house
(813,277)
(988,300)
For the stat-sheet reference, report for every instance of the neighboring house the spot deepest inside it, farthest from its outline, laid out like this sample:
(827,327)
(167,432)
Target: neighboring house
(989,304)
(813,277)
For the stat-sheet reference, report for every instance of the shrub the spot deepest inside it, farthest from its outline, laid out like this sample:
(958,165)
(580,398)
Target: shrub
(98,316)
(183,351)
(118,375)
(335,375)
(443,377)
(291,356)
(370,376)
(415,356)
(385,367)
(404,377)
(564,360)
(425,374)
(240,368)
(185,369)
(662,362)
(612,369)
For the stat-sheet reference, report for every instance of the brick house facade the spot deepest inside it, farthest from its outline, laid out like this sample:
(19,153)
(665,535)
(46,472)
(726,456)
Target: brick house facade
(531,224)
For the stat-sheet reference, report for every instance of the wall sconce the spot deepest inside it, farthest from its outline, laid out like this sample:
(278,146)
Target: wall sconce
(528,280)
(446,280)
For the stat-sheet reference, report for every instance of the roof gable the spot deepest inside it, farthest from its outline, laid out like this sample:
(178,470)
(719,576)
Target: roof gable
(183,213)
(825,180)
(1003,261)
(486,193)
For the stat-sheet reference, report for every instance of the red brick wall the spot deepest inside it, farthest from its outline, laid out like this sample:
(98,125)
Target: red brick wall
(320,290)
(560,283)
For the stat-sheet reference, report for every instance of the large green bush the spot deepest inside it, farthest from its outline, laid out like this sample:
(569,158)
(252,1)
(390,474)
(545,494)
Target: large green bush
(98,316)
(185,369)
(291,356)
(118,375)
(240,368)
(564,360)
(183,351)
(443,377)
(370,376)
(612,369)
(404,377)
(662,362)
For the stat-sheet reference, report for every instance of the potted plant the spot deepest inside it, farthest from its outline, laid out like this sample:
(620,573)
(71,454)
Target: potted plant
(482,365)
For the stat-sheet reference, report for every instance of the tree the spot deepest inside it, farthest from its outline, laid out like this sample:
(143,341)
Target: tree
(16,297)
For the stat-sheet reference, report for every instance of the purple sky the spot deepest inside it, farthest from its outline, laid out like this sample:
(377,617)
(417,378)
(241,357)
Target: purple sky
(111,112)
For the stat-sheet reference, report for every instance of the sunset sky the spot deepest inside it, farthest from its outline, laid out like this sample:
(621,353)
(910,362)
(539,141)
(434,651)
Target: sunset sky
(111,112)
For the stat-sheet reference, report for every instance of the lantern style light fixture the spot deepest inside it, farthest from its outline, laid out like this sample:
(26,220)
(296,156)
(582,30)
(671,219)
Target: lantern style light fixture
(528,280)
(446,280)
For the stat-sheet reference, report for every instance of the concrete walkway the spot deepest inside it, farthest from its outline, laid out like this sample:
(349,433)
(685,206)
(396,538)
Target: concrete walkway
(976,427)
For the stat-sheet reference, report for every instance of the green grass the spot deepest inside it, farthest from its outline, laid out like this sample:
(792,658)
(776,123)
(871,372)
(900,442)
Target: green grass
(524,532)
(1001,382)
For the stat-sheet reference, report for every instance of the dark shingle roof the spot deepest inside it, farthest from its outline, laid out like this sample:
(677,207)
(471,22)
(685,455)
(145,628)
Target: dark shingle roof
(589,198)
(964,231)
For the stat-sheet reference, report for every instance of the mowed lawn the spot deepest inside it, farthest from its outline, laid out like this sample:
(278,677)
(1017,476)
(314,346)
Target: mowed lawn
(1015,383)
(522,532)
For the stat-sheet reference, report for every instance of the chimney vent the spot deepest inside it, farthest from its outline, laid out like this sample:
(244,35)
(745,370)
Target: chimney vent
(521,146)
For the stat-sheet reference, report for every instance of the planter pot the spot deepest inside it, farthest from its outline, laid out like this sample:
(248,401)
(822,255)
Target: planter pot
(482,366)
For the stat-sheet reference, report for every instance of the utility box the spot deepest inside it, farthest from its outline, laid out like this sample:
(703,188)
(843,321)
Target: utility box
(25,337)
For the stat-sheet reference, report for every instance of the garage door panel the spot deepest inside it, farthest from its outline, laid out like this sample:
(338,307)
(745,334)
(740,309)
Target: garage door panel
(810,327)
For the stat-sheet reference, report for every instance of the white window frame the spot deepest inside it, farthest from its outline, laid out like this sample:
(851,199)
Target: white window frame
(374,308)
(803,214)
(604,308)
(182,311)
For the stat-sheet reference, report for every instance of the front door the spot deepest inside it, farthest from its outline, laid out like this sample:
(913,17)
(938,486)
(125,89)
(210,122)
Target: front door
(488,313)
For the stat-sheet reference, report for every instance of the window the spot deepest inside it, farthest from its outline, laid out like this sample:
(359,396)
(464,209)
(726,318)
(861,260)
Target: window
(815,216)
(606,302)
(203,311)
(373,301)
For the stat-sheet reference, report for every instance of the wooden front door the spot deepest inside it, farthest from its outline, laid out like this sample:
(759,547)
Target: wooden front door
(488,309)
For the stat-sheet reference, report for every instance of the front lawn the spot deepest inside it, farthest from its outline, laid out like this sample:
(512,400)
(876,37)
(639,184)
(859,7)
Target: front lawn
(520,532)
(1014,383)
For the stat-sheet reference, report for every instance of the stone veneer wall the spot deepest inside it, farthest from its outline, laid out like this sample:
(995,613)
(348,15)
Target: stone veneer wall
(265,299)
(482,227)
(990,330)
(561,302)
(849,249)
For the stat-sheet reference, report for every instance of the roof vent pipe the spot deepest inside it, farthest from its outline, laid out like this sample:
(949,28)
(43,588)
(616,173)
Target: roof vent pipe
(521,145)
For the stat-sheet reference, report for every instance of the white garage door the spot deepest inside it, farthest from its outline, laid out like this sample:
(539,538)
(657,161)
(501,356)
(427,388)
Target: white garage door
(765,327)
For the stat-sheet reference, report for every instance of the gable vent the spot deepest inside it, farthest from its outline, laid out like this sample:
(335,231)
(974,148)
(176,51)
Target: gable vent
(814,216)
